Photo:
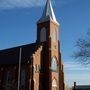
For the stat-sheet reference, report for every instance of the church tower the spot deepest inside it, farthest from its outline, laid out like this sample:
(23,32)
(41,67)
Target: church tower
(51,72)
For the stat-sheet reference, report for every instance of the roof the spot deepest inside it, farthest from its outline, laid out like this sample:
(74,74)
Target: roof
(11,56)
(48,13)
(82,87)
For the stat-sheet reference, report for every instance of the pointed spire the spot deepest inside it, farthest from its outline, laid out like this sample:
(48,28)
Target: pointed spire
(48,13)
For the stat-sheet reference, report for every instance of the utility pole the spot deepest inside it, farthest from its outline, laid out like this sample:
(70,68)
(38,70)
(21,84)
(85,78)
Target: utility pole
(19,69)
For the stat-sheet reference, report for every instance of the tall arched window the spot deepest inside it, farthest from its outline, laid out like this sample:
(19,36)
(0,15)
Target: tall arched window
(54,35)
(23,79)
(54,84)
(43,35)
(8,84)
(54,64)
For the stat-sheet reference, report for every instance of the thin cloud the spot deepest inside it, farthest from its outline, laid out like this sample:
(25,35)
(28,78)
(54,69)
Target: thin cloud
(9,4)
(76,72)
(80,78)
(74,66)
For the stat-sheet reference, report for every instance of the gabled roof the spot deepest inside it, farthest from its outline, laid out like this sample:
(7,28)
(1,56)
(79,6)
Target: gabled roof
(82,87)
(11,56)
(48,13)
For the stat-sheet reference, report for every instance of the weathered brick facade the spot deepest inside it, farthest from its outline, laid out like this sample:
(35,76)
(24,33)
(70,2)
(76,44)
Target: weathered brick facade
(41,66)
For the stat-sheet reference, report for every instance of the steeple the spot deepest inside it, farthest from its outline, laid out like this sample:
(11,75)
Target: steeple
(48,13)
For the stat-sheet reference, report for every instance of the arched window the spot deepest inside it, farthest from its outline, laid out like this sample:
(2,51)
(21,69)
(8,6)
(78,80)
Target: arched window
(54,64)
(54,35)
(23,79)
(43,35)
(54,84)
(8,81)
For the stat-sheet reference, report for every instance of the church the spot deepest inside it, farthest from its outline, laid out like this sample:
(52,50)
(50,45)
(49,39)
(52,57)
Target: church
(36,66)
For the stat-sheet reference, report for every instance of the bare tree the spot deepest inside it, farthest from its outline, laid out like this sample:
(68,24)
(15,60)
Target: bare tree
(83,52)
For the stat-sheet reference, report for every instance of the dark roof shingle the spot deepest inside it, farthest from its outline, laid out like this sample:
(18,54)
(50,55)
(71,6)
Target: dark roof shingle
(11,56)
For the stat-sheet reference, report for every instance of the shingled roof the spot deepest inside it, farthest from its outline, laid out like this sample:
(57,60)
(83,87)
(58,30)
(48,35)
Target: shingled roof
(11,56)
(82,87)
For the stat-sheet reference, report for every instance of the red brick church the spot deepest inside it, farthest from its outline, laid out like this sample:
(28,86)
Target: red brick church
(35,66)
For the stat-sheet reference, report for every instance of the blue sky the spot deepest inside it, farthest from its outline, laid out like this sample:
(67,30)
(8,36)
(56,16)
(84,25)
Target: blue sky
(18,26)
